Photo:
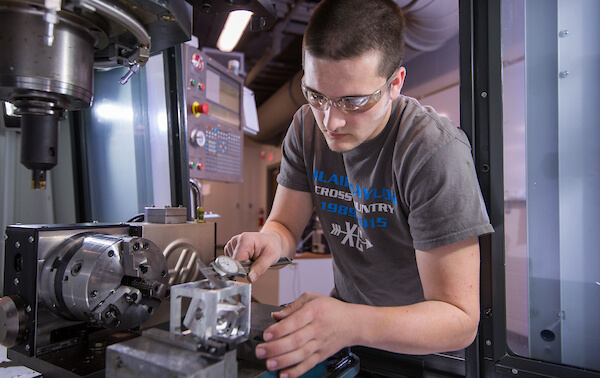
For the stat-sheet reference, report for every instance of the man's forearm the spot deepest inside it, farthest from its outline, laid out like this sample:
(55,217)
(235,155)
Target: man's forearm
(288,240)
(421,328)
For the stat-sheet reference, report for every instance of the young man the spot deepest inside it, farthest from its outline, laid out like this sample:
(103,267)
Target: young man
(392,182)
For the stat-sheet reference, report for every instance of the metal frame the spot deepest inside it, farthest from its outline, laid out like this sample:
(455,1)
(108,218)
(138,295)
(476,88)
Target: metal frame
(177,129)
(81,180)
(481,117)
(467,112)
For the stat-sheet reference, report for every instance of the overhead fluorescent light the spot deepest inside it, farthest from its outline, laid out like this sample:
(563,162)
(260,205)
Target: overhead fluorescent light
(232,31)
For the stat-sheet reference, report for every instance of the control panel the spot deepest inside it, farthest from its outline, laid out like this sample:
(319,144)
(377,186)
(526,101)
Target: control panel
(214,100)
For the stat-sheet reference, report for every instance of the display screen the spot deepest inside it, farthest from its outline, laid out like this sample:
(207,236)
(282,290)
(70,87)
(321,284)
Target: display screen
(224,92)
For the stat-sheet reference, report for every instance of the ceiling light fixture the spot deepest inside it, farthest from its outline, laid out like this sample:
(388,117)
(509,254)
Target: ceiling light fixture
(232,31)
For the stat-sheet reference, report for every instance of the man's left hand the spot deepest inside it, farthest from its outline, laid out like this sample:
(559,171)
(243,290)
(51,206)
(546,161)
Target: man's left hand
(308,331)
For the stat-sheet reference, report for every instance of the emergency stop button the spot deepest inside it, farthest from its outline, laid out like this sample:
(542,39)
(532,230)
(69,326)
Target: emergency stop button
(198,108)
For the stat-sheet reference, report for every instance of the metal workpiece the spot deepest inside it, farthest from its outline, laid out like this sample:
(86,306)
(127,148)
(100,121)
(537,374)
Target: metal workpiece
(222,313)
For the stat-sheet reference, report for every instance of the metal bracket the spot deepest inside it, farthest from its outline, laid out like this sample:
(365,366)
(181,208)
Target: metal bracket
(213,312)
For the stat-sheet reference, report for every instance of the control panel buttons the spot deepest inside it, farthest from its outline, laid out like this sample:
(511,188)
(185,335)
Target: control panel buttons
(198,166)
(214,145)
(195,84)
(198,108)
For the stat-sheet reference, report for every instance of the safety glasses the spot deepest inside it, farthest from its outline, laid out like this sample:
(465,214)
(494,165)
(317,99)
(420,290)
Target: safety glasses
(346,104)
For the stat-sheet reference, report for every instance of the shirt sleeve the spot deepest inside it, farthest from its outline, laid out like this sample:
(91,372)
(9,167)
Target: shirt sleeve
(445,201)
(293,169)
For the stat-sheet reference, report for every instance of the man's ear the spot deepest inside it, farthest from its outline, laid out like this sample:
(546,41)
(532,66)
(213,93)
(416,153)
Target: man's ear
(397,82)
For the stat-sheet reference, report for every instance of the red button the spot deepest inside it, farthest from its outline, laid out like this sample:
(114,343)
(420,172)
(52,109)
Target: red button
(198,108)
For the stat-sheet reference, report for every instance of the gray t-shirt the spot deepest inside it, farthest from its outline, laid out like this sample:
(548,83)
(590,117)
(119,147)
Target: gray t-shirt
(411,187)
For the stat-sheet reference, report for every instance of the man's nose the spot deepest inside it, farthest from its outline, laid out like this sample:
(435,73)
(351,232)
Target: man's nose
(334,118)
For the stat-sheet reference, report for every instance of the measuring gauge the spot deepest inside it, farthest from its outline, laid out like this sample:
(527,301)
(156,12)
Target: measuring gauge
(226,266)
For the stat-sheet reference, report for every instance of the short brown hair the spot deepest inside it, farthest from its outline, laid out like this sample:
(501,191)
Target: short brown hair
(345,29)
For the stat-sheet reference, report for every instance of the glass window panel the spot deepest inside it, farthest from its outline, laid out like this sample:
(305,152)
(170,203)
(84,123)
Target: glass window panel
(551,59)
(126,132)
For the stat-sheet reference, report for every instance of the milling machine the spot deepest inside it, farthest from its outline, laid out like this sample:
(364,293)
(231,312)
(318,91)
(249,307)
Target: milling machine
(51,47)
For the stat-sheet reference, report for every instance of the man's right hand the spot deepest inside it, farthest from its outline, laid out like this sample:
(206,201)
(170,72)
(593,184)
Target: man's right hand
(262,248)
(278,237)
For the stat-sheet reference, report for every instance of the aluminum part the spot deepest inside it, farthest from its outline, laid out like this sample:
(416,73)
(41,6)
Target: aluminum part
(213,312)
